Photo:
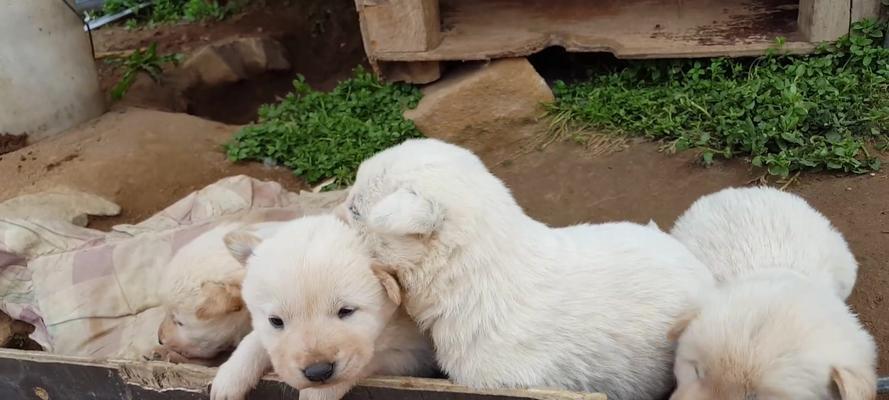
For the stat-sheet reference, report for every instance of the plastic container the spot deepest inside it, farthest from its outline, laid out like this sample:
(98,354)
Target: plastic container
(48,79)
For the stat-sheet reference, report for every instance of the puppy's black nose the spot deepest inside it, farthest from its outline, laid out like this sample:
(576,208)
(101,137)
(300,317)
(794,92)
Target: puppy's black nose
(319,372)
(160,341)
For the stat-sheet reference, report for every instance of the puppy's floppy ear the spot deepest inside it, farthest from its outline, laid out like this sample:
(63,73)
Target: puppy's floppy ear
(220,298)
(404,213)
(389,282)
(855,383)
(681,324)
(240,244)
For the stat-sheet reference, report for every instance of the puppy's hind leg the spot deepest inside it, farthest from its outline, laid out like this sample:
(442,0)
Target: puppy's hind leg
(335,392)
(237,376)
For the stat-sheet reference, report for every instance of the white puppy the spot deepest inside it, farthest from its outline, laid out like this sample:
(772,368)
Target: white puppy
(201,293)
(510,302)
(739,230)
(777,327)
(323,316)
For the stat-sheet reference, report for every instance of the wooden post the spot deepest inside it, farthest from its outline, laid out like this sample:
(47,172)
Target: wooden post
(865,9)
(399,25)
(824,20)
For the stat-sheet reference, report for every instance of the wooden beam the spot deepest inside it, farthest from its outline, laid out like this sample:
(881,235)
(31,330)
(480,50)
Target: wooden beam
(43,376)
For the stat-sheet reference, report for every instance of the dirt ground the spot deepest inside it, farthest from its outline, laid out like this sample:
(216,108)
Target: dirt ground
(144,160)
(563,185)
(322,39)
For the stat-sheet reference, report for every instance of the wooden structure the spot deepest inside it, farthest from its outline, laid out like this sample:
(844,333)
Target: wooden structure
(41,376)
(407,40)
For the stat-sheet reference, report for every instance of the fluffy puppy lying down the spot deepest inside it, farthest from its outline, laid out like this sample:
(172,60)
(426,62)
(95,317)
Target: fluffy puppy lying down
(739,230)
(201,293)
(323,316)
(777,327)
(510,302)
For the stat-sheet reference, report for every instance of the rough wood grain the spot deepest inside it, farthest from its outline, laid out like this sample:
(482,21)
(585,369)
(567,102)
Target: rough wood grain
(37,375)
(399,25)
(487,29)
(865,9)
(823,20)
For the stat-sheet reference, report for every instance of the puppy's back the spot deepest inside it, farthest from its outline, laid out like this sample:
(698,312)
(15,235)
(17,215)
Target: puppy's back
(739,230)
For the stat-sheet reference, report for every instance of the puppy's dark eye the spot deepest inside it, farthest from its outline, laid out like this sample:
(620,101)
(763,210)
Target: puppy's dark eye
(345,312)
(276,322)
(176,322)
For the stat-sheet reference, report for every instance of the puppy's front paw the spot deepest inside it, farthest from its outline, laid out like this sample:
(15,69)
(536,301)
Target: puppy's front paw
(161,353)
(230,383)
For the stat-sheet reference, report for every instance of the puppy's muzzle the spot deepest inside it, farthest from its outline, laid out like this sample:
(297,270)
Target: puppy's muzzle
(319,372)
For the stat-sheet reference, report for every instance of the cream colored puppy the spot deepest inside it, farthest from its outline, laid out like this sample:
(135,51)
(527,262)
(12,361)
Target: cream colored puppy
(777,327)
(201,293)
(739,230)
(323,316)
(511,302)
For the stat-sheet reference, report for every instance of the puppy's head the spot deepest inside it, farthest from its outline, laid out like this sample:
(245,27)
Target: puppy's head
(421,197)
(201,292)
(317,301)
(768,340)
(209,322)
(205,315)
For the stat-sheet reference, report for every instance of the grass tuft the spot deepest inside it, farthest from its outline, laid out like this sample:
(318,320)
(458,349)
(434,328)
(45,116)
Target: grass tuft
(327,135)
(787,113)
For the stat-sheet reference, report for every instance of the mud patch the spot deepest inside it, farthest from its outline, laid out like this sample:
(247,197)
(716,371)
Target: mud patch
(10,142)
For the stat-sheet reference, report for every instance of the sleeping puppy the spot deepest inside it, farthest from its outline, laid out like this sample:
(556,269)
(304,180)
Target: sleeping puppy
(324,316)
(201,292)
(777,327)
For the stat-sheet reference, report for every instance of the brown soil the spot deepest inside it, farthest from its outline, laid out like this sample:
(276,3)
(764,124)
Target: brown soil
(141,159)
(564,185)
(322,38)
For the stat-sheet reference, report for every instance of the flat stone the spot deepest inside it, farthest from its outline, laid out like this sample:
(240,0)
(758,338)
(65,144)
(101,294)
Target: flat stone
(494,109)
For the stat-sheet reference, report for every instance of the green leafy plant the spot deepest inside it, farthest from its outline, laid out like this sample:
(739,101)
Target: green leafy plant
(787,113)
(167,11)
(327,135)
(140,61)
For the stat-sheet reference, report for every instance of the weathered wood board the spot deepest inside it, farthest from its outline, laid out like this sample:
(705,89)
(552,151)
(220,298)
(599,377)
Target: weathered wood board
(433,31)
(41,376)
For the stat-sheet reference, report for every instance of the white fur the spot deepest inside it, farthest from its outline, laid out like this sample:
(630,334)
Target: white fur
(306,273)
(777,327)
(510,302)
(738,230)
(774,335)
(202,262)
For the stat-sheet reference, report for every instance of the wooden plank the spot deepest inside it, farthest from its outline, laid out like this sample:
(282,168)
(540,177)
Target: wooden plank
(42,376)
(399,25)
(865,9)
(632,29)
(824,20)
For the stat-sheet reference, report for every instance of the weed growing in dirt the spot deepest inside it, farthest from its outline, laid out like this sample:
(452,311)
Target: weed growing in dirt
(327,135)
(167,11)
(788,113)
(140,61)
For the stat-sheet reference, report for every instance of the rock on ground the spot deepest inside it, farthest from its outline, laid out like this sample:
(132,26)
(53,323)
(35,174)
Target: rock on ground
(493,109)
(231,60)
